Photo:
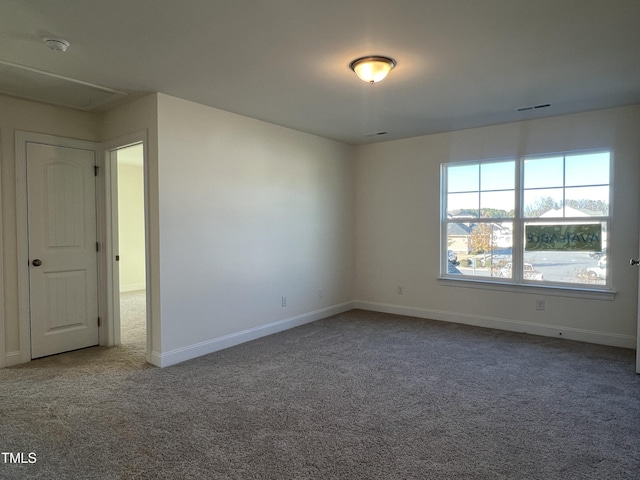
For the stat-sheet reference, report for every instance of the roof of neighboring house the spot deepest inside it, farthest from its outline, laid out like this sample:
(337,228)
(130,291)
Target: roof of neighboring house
(459,229)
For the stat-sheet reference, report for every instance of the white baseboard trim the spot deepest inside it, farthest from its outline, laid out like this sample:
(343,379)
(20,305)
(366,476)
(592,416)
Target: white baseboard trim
(203,348)
(581,335)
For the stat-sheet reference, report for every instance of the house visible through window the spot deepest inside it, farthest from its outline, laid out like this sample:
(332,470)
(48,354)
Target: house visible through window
(533,220)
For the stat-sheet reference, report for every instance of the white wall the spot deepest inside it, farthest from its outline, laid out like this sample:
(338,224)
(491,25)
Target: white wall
(249,212)
(240,213)
(131,241)
(397,233)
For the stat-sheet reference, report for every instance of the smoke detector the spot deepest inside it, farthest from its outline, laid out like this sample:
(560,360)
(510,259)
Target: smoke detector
(56,44)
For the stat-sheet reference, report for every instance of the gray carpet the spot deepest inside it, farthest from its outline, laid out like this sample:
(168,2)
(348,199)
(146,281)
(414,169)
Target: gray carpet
(357,396)
(133,320)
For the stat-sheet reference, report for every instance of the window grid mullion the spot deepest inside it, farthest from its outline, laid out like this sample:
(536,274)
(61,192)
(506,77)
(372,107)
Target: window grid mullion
(564,186)
(517,255)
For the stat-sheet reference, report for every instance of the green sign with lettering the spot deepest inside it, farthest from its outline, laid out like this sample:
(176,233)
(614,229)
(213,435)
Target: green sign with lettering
(586,237)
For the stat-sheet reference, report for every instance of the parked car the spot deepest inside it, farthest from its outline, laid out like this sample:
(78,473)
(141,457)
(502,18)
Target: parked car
(451,268)
(530,273)
(453,257)
(598,255)
(599,272)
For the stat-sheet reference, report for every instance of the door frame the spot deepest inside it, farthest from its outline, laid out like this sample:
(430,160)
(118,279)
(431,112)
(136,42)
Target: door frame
(22,230)
(108,231)
(2,303)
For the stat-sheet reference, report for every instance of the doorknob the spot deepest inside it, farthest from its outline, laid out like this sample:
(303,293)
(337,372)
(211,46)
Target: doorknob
(633,262)
(37,262)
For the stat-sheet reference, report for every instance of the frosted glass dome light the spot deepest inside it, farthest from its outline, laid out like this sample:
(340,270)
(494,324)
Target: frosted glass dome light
(372,69)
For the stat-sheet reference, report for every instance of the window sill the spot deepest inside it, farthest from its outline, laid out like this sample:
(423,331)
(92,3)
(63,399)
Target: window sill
(555,290)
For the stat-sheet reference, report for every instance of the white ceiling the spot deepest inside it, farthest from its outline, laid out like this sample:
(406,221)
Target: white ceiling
(461,63)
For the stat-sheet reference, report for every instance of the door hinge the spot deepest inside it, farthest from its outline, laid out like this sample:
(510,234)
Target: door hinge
(99,321)
(97,246)
(95,170)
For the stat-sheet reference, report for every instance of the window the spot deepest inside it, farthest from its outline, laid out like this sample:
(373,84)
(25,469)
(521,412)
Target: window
(541,220)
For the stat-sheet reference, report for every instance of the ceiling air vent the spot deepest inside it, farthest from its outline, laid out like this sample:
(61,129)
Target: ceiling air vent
(533,107)
(375,134)
(25,82)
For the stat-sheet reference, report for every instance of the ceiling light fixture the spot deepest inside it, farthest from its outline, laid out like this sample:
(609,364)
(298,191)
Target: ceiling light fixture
(372,69)
(56,44)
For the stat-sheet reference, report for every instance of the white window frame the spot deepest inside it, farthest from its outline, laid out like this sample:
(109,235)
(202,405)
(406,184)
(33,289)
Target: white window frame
(517,282)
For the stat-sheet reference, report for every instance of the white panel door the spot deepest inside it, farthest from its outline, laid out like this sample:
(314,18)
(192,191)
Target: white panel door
(63,262)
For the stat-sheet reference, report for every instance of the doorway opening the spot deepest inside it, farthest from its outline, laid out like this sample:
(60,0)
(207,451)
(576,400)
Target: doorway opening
(128,232)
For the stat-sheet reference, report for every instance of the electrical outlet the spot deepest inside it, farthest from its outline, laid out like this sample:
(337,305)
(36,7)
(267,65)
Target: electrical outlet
(400,290)
(540,305)
(284,301)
